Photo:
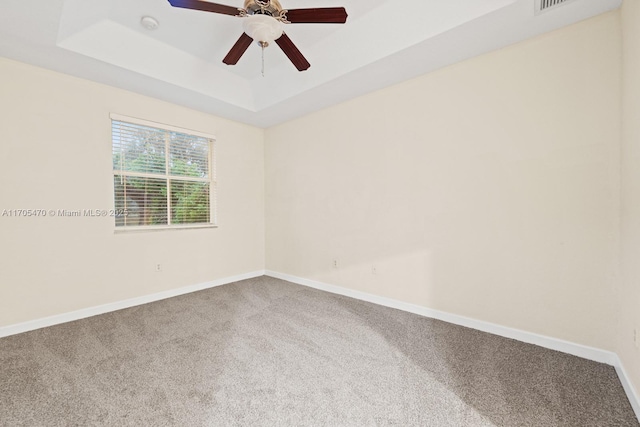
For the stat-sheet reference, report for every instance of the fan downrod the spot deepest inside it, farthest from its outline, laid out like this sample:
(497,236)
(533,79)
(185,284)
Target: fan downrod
(263,7)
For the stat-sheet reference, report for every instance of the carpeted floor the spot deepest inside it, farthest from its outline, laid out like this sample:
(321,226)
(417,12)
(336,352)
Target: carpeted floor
(268,352)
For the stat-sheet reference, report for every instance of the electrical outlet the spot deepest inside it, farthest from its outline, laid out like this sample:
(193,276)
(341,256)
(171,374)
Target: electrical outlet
(335,263)
(158,268)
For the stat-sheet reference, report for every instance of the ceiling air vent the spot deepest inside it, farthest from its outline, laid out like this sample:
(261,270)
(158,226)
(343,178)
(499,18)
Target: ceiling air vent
(545,5)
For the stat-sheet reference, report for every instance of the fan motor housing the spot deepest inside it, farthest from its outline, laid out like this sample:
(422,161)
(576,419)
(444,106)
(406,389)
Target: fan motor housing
(263,7)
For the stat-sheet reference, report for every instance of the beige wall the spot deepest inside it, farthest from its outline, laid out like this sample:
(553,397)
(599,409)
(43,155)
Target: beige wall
(488,189)
(629,293)
(55,146)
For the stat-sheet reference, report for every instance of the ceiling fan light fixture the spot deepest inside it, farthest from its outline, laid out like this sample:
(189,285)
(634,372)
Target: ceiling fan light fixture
(263,28)
(263,23)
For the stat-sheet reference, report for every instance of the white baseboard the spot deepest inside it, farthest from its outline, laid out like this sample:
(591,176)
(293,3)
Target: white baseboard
(632,394)
(590,353)
(579,350)
(119,305)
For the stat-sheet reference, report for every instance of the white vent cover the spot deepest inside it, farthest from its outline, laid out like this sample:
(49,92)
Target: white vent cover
(545,5)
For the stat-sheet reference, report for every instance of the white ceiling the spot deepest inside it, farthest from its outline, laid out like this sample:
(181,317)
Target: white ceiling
(383,42)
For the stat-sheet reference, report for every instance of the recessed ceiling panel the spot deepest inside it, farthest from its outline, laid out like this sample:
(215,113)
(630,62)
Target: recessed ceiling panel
(383,42)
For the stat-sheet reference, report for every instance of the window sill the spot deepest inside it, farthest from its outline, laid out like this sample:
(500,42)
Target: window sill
(143,229)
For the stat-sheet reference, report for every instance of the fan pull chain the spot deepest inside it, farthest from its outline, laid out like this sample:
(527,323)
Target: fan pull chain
(263,45)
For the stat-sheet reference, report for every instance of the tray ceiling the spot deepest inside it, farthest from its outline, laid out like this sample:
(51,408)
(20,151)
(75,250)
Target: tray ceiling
(383,42)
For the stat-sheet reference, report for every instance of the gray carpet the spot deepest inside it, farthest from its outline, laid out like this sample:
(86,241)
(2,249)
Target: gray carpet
(268,352)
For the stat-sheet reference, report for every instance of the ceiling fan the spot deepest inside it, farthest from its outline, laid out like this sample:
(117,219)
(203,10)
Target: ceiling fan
(264,24)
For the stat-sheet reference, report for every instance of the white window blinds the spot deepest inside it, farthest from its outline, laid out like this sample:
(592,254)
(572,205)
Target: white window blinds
(162,177)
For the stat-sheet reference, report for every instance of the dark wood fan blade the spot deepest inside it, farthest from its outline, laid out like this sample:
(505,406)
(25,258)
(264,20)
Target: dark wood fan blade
(325,15)
(292,52)
(206,6)
(238,50)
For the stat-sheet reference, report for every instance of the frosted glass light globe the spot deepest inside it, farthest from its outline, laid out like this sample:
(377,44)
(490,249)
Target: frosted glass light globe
(263,28)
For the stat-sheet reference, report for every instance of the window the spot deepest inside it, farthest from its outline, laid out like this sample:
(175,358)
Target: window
(163,177)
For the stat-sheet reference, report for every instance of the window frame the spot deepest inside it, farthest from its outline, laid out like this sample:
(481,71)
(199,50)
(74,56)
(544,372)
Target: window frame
(211,180)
